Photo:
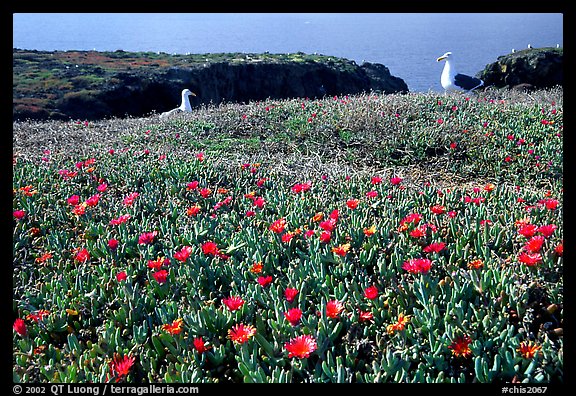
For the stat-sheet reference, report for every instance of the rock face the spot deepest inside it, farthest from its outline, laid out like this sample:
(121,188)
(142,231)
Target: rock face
(533,68)
(93,85)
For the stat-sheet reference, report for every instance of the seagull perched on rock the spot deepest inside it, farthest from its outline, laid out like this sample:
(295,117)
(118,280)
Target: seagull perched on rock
(184,106)
(451,80)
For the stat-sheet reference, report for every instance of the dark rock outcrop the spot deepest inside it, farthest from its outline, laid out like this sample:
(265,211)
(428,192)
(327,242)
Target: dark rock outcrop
(534,68)
(93,85)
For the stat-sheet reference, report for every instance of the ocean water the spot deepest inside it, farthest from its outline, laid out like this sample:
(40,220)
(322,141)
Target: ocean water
(408,44)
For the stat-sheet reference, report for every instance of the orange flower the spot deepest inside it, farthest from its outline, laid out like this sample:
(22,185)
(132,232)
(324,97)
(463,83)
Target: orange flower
(256,268)
(241,333)
(44,257)
(278,226)
(174,327)
(370,231)
(318,217)
(193,210)
(399,325)
(528,349)
(475,264)
(341,250)
(489,187)
(222,190)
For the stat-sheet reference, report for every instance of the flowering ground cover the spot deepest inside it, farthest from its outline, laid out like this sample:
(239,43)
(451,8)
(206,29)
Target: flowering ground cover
(398,238)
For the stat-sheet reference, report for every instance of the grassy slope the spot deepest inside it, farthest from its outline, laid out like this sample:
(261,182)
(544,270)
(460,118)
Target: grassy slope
(410,136)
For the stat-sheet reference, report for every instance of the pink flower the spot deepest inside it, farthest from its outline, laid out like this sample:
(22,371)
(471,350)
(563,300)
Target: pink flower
(372,194)
(435,247)
(183,254)
(73,200)
(395,181)
(376,180)
(371,292)
(334,308)
(264,280)
(113,243)
(102,187)
(530,259)
(147,238)
(365,316)
(417,266)
(233,303)
(293,316)
(547,230)
(120,220)
(129,200)
(93,200)
(19,214)
(290,294)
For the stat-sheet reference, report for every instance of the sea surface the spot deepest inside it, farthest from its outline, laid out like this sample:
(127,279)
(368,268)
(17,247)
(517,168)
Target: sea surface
(408,44)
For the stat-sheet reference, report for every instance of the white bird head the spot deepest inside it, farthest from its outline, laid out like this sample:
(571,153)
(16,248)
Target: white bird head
(444,57)
(187,92)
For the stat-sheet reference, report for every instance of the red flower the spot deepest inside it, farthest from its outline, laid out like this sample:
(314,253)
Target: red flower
(82,255)
(173,328)
(19,214)
(286,238)
(293,316)
(200,345)
(559,249)
(417,266)
(534,244)
(528,230)
(547,230)
(147,238)
(372,194)
(438,209)
(264,280)
(334,308)
(352,203)
(200,156)
(205,192)
(278,226)
(418,232)
(301,187)
(530,259)
(435,247)
(20,327)
(376,180)
(210,249)
(395,181)
(301,346)
(460,346)
(290,294)
(113,243)
(549,203)
(120,366)
(325,237)
(233,303)
(365,316)
(160,276)
(157,264)
(120,220)
(259,202)
(121,276)
(241,333)
(371,292)
(328,225)
(183,254)
(38,315)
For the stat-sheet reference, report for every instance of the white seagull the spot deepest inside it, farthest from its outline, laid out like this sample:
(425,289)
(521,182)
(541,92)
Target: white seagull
(451,80)
(184,106)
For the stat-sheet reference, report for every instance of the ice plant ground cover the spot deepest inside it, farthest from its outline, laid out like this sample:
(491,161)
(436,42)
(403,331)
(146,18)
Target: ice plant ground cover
(399,238)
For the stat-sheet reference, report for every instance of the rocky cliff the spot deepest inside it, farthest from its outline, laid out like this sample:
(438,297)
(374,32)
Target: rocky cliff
(529,68)
(92,85)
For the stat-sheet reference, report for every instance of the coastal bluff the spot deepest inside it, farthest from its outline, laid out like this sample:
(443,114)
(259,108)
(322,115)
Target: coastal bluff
(64,85)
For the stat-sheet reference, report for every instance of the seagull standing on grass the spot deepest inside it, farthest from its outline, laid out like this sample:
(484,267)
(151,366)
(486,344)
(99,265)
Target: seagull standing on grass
(451,80)
(184,106)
